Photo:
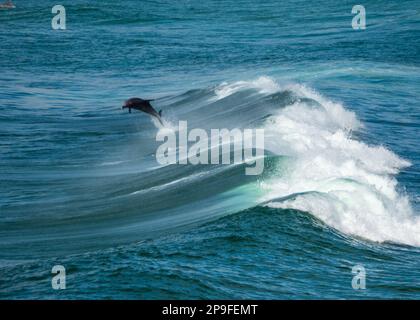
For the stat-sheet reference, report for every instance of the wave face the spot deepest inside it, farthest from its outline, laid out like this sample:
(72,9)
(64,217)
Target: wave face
(344,182)
(314,164)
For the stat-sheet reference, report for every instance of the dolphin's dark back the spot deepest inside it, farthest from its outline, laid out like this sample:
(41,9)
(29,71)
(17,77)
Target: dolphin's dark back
(142,105)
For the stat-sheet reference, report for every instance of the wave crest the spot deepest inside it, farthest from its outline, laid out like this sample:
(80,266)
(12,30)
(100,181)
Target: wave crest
(346,183)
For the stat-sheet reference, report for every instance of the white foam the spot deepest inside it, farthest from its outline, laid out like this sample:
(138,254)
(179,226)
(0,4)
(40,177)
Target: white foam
(262,84)
(346,183)
(168,124)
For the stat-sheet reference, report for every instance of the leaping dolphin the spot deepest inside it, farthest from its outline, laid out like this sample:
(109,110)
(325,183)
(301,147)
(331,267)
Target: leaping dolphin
(143,105)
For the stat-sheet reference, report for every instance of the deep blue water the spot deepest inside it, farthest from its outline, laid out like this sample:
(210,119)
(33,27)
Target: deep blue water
(80,185)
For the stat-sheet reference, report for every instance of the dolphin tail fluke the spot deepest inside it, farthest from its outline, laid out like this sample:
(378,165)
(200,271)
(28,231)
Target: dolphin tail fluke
(159,117)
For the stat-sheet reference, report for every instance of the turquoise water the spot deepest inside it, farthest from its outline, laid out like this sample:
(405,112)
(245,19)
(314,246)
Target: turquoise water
(80,185)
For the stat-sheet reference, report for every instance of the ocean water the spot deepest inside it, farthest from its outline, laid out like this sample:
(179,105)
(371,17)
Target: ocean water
(80,185)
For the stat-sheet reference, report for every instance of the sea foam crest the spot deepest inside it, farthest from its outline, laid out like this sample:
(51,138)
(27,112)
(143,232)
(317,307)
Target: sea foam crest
(346,183)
